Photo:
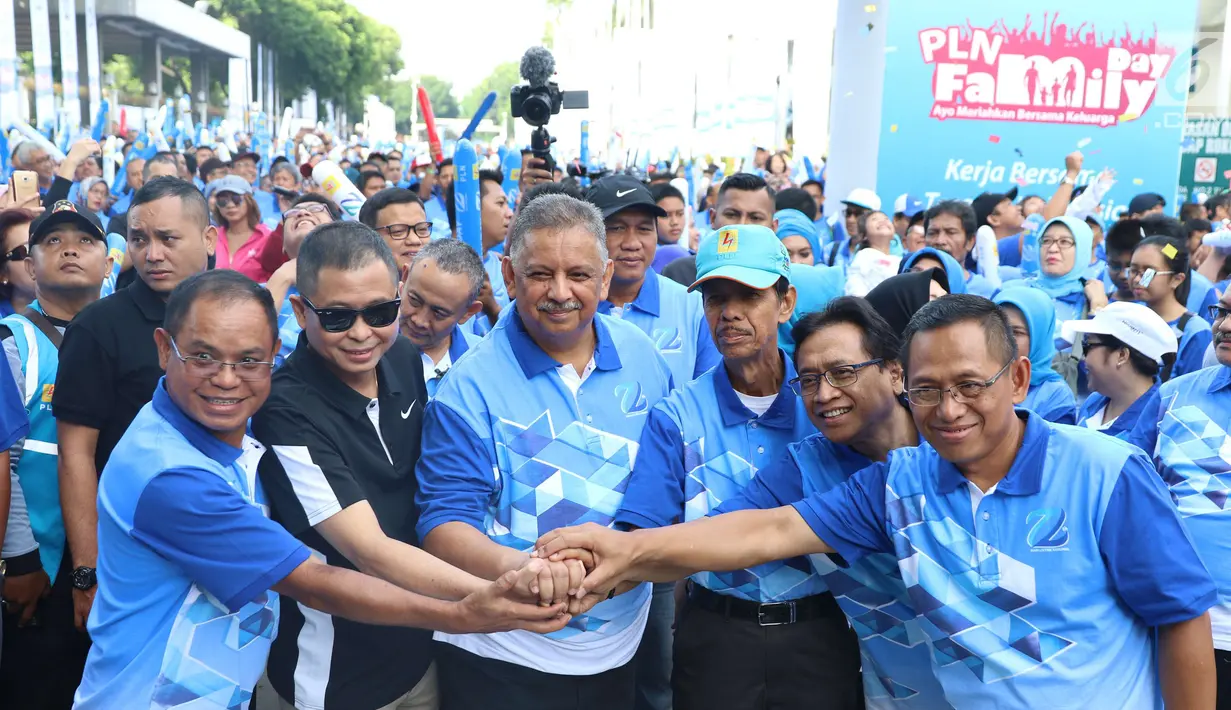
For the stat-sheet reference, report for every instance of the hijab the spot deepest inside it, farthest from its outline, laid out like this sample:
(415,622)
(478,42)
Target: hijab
(1040,313)
(815,287)
(793,223)
(953,270)
(1057,286)
(897,298)
(83,191)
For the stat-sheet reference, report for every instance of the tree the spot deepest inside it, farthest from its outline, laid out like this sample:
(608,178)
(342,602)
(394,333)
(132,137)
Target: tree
(401,97)
(444,103)
(502,78)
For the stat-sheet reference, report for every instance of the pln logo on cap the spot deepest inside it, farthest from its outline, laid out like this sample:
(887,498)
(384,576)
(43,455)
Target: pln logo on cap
(63,206)
(728,241)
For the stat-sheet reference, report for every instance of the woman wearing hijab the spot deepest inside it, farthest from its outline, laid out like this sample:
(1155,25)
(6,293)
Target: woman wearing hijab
(92,195)
(930,258)
(1065,248)
(815,287)
(1032,316)
(798,235)
(897,298)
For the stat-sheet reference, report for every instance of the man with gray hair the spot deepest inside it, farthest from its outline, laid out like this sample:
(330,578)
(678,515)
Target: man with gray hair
(441,291)
(29,155)
(535,429)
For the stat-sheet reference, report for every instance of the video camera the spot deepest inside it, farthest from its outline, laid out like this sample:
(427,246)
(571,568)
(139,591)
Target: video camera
(540,98)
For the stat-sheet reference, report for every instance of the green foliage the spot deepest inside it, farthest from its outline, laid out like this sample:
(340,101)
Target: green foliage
(400,95)
(502,78)
(326,45)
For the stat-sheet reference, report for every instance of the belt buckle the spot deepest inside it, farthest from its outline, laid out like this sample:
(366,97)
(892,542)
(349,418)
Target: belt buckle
(762,611)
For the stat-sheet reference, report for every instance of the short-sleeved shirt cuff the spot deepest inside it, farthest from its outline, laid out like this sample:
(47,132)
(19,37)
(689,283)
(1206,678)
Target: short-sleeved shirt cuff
(430,522)
(821,523)
(633,519)
(266,581)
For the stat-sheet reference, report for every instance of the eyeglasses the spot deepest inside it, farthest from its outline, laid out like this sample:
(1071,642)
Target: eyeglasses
(304,209)
(1116,265)
(1088,344)
(225,199)
(340,320)
(840,376)
(1146,275)
(1065,243)
(1217,312)
(206,367)
(398,232)
(963,393)
(18,254)
(853,211)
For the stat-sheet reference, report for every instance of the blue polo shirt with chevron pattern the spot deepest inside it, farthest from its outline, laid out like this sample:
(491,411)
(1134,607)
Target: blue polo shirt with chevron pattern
(1186,426)
(1041,592)
(515,446)
(896,654)
(702,446)
(675,320)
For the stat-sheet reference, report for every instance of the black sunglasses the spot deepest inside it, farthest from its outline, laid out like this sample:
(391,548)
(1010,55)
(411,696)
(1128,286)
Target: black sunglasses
(18,254)
(340,320)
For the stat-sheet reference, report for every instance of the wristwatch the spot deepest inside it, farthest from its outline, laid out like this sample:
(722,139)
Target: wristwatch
(84,578)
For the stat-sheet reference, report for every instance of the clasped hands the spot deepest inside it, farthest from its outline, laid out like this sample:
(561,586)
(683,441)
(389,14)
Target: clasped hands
(578,566)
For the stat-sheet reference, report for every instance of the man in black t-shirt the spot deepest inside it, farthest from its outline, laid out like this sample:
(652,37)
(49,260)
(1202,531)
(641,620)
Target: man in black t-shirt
(108,361)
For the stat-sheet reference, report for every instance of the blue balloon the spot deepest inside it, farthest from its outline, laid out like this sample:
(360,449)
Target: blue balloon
(466,195)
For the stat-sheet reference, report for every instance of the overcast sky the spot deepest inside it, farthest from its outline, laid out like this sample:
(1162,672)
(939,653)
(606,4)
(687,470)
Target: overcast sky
(460,40)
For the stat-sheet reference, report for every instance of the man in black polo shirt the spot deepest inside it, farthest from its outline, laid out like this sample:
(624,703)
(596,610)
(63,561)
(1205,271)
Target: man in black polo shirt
(109,363)
(342,426)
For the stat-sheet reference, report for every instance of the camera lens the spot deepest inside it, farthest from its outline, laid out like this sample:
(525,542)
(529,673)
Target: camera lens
(537,109)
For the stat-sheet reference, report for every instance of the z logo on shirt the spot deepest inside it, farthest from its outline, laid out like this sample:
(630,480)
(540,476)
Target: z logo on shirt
(1048,530)
(668,340)
(632,399)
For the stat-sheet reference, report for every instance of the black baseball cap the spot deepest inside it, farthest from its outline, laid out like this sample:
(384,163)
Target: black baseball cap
(65,212)
(1145,202)
(248,155)
(986,203)
(616,193)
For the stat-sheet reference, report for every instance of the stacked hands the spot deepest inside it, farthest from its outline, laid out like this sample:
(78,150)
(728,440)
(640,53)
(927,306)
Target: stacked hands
(569,571)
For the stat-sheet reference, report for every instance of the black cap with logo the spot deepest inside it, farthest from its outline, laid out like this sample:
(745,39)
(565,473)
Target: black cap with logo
(616,193)
(65,212)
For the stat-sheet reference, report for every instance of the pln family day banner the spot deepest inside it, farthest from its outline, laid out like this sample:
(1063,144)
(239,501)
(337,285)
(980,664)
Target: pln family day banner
(983,97)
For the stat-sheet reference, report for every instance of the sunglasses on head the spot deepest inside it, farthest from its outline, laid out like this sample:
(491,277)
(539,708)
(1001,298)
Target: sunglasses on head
(229,198)
(340,320)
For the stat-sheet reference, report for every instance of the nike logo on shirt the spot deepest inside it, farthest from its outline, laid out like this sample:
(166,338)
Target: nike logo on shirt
(409,409)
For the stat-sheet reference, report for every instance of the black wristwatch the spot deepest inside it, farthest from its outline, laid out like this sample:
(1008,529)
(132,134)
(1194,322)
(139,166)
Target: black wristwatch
(84,578)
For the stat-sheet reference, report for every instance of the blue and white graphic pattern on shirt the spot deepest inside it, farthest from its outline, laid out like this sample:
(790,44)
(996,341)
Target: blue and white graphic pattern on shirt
(557,479)
(1195,457)
(967,594)
(709,483)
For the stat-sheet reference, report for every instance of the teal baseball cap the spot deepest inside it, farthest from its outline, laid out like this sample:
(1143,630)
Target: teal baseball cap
(745,253)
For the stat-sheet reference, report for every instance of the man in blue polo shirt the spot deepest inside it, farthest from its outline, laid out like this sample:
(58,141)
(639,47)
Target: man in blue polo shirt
(1037,588)
(703,444)
(537,428)
(851,384)
(441,290)
(664,310)
(1185,426)
(188,562)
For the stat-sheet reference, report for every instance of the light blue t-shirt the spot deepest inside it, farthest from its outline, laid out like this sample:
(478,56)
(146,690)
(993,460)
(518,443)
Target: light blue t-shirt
(480,324)
(1039,593)
(702,446)
(1194,339)
(896,653)
(675,320)
(512,450)
(184,615)
(1186,426)
(1052,400)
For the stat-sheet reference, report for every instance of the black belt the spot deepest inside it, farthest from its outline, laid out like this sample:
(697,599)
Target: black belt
(770,614)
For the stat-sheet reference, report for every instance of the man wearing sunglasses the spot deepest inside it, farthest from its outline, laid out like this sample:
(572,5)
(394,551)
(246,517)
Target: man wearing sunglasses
(703,444)
(398,216)
(1185,426)
(67,259)
(1025,546)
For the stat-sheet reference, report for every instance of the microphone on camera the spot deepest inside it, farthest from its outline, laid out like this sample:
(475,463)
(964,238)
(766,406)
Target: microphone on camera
(537,66)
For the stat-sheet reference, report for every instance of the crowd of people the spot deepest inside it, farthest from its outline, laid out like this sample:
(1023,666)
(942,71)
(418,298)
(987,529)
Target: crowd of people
(663,443)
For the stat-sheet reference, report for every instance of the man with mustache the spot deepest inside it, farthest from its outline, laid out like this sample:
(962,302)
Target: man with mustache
(1185,426)
(704,443)
(534,429)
